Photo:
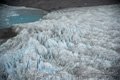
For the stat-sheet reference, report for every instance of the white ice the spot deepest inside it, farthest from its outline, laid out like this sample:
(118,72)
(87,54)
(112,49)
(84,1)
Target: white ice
(69,44)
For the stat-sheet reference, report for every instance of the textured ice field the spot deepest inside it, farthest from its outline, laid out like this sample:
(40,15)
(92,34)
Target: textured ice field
(69,44)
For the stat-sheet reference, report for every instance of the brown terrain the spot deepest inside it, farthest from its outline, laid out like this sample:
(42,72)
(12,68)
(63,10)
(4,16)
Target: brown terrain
(50,5)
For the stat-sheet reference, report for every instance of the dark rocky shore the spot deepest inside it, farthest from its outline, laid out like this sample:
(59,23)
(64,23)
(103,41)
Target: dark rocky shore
(50,5)
(5,34)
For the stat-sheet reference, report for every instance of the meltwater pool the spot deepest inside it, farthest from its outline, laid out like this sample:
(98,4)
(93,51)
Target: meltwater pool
(10,15)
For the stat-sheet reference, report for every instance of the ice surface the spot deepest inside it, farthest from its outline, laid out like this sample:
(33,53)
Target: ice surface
(68,44)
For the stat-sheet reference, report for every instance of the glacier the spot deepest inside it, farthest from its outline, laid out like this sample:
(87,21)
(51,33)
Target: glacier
(67,44)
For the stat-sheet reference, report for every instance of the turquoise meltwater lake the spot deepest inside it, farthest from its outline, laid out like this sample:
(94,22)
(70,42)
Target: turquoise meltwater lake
(16,15)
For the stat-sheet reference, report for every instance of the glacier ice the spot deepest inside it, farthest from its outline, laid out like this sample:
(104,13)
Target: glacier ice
(67,44)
